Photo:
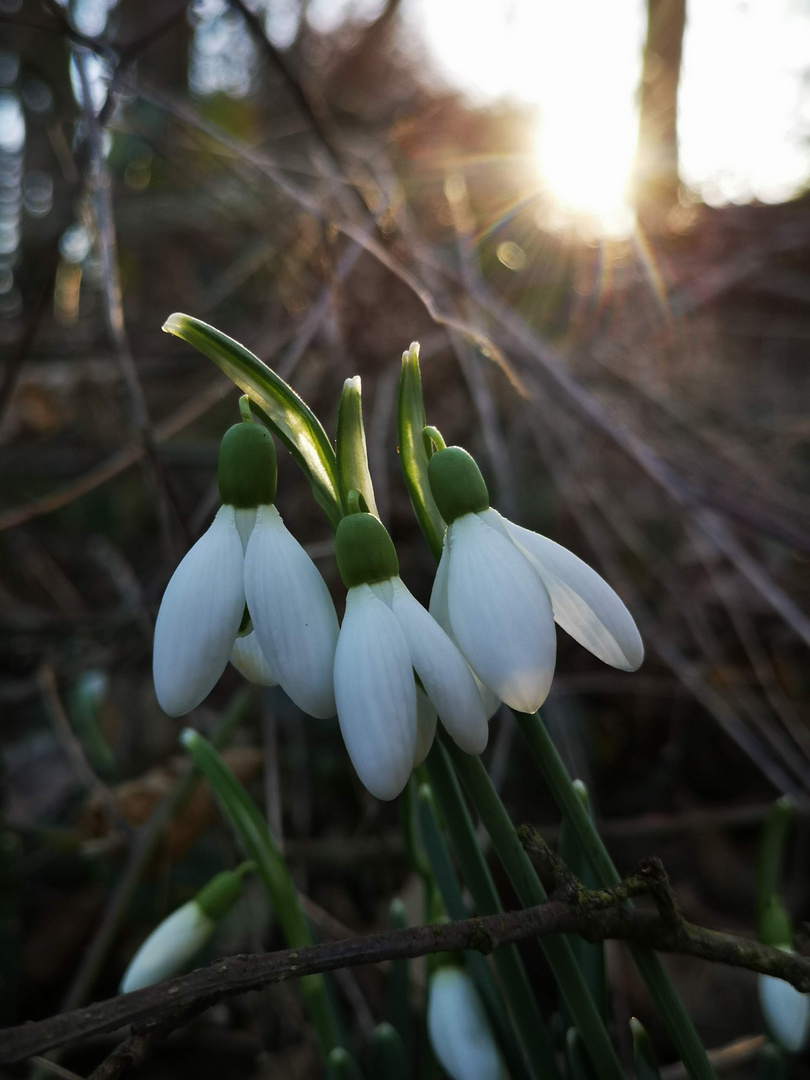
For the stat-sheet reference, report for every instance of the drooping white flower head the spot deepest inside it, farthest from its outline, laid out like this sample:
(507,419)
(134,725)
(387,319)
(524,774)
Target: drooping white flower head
(458,1028)
(786,1011)
(246,568)
(500,588)
(387,635)
(178,939)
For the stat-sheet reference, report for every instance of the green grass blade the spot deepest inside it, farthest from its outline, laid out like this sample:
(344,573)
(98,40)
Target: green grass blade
(667,1002)
(515,989)
(573,988)
(254,835)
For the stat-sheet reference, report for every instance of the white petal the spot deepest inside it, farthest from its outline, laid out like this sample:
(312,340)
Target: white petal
(199,617)
(584,604)
(443,671)
(440,612)
(459,1031)
(375,693)
(500,614)
(249,660)
(786,1012)
(425,726)
(169,947)
(438,596)
(292,612)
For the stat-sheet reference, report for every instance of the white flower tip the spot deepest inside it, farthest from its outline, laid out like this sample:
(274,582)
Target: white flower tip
(472,741)
(188,737)
(526,691)
(458,1028)
(170,946)
(633,651)
(386,785)
(786,1011)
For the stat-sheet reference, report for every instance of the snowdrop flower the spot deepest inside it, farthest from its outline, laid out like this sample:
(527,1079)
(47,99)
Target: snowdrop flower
(179,938)
(387,635)
(458,1028)
(786,1011)
(247,568)
(500,588)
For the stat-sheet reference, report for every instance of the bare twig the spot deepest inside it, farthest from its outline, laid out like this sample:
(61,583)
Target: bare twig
(99,183)
(722,1057)
(171,1003)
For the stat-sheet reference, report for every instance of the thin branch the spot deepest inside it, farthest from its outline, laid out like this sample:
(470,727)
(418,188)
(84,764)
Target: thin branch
(98,180)
(171,1003)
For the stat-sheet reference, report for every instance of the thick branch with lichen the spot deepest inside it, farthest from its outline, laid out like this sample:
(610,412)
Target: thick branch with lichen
(595,915)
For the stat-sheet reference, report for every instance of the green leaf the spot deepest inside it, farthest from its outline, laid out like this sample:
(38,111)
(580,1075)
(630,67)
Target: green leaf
(352,455)
(575,1055)
(284,412)
(342,1066)
(398,989)
(255,837)
(413,451)
(771,854)
(646,1062)
(770,1063)
(591,956)
(388,1056)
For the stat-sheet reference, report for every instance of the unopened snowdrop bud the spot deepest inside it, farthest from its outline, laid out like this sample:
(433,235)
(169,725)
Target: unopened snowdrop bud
(459,1030)
(500,588)
(785,1009)
(178,939)
(386,635)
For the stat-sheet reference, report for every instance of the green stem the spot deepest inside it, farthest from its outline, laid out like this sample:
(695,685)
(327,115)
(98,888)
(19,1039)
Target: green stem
(518,1046)
(251,828)
(662,992)
(435,437)
(526,884)
(771,853)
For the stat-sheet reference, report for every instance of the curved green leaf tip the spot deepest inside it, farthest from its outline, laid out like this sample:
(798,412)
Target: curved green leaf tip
(285,413)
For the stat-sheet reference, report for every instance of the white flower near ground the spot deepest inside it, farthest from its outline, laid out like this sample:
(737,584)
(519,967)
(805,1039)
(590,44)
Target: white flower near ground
(459,1030)
(169,947)
(386,636)
(500,588)
(786,1011)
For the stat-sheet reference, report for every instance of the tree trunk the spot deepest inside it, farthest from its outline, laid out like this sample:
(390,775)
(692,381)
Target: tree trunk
(656,177)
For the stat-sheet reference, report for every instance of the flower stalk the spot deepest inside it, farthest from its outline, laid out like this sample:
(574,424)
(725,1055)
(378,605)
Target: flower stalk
(666,1000)
(524,880)
(255,837)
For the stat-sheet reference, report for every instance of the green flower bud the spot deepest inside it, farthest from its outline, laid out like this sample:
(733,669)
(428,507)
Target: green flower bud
(457,484)
(246,471)
(221,893)
(364,551)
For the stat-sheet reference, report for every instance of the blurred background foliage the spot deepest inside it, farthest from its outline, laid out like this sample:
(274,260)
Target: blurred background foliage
(303,177)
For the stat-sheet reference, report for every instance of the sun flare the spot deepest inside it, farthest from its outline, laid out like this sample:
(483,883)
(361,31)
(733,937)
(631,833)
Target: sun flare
(585,160)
